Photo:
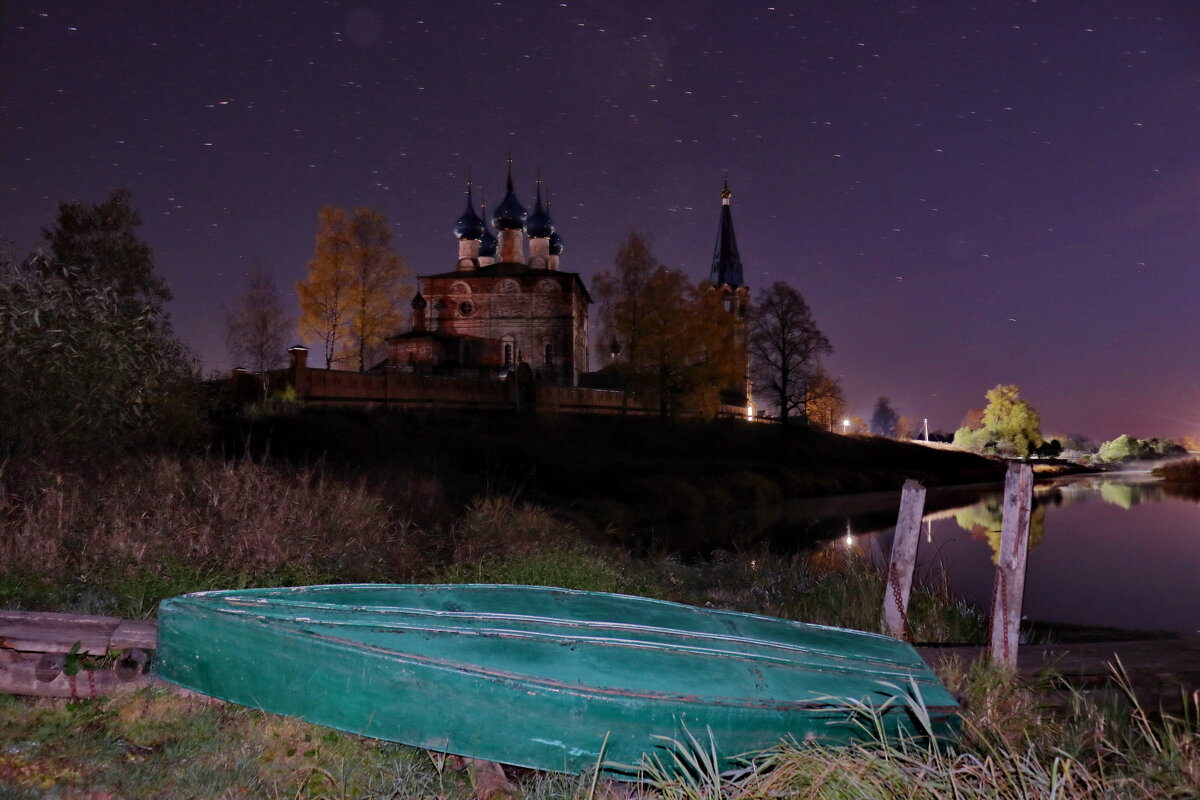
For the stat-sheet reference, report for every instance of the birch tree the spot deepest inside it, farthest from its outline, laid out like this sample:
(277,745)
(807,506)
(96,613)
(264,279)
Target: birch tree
(325,298)
(377,287)
(256,329)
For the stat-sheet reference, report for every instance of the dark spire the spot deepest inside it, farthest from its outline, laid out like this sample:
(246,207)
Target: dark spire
(538,224)
(469,225)
(726,264)
(510,214)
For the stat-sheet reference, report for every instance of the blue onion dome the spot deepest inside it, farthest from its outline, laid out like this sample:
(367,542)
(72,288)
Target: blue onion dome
(419,303)
(487,242)
(538,224)
(469,225)
(510,214)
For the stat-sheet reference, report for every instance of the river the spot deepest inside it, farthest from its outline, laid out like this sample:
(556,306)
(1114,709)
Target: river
(1116,550)
(1113,550)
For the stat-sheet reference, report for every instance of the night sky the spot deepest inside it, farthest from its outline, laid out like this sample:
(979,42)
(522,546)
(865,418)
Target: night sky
(966,193)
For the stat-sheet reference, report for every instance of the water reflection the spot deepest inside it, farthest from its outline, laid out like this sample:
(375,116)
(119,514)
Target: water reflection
(1119,550)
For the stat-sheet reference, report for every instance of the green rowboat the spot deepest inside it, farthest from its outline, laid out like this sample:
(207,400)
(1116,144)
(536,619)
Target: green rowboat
(546,678)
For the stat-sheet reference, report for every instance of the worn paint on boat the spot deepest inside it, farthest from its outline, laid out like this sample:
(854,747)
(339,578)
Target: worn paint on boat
(540,677)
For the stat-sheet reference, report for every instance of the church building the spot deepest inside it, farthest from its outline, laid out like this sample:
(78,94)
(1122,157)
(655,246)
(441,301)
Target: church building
(505,304)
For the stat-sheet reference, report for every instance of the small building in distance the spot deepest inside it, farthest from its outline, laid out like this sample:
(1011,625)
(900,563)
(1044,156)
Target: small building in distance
(506,303)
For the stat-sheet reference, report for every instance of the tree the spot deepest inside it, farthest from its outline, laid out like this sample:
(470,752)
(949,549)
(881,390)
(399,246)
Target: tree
(377,287)
(623,296)
(677,342)
(100,244)
(786,349)
(1128,448)
(88,362)
(1008,422)
(823,401)
(325,296)
(884,420)
(354,293)
(256,330)
(1010,419)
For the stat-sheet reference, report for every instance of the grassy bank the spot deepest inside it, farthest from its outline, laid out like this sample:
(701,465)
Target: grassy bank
(152,527)
(154,744)
(160,526)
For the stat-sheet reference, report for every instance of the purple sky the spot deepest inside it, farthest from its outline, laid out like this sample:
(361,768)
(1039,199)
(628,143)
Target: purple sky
(966,193)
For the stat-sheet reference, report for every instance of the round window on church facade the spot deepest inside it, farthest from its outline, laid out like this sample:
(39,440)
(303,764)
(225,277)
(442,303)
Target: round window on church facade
(466,308)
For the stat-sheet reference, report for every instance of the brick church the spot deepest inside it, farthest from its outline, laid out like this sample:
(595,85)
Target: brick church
(505,304)
(508,303)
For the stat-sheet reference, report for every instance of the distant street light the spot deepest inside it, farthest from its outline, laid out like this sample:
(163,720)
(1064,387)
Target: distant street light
(845,427)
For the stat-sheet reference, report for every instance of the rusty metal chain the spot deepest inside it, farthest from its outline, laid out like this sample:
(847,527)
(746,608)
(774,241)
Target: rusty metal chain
(894,580)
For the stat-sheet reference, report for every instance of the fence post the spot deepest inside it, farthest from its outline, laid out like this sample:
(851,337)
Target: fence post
(1009,586)
(904,556)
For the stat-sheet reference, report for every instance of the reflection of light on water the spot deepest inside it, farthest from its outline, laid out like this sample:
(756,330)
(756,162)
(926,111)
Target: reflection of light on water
(929,530)
(849,539)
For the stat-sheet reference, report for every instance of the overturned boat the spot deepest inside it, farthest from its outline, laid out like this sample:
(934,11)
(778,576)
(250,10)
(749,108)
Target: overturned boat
(551,679)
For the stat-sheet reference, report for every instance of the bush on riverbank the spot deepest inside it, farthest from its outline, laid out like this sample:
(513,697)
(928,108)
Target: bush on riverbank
(1184,471)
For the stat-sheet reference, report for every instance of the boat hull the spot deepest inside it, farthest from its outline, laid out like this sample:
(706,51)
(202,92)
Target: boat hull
(544,678)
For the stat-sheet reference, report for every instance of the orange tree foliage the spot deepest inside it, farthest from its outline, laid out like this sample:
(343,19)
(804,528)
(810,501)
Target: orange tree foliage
(355,291)
(676,343)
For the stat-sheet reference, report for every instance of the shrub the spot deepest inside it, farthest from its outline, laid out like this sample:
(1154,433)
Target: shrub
(1127,448)
(1187,471)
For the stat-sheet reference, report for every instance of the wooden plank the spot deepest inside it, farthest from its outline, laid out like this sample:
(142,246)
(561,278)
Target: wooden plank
(1009,586)
(904,556)
(43,638)
(140,634)
(47,632)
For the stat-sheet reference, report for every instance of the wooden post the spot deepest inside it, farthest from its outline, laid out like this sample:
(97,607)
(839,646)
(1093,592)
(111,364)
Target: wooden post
(1009,586)
(904,556)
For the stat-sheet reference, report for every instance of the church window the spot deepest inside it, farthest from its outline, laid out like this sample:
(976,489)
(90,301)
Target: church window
(507,354)
(466,308)
(549,355)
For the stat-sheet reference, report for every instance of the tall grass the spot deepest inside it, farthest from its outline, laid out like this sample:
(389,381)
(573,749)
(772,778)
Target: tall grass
(1094,752)
(175,521)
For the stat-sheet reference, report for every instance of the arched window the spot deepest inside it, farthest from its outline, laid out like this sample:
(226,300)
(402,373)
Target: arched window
(509,348)
(549,354)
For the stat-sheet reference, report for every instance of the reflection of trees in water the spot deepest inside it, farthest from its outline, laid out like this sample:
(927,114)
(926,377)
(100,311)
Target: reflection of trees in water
(984,521)
(1128,495)
(788,527)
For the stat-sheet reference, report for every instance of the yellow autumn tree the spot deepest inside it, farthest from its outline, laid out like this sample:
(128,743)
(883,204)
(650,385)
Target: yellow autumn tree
(377,284)
(355,291)
(325,296)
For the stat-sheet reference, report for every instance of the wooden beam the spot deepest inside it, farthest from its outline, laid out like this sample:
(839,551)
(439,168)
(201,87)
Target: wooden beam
(904,557)
(47,632)
(1009,586)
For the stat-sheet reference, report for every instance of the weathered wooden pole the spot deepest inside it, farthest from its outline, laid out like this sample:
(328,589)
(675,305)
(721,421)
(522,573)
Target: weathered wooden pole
(904,556)
(1009,586)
